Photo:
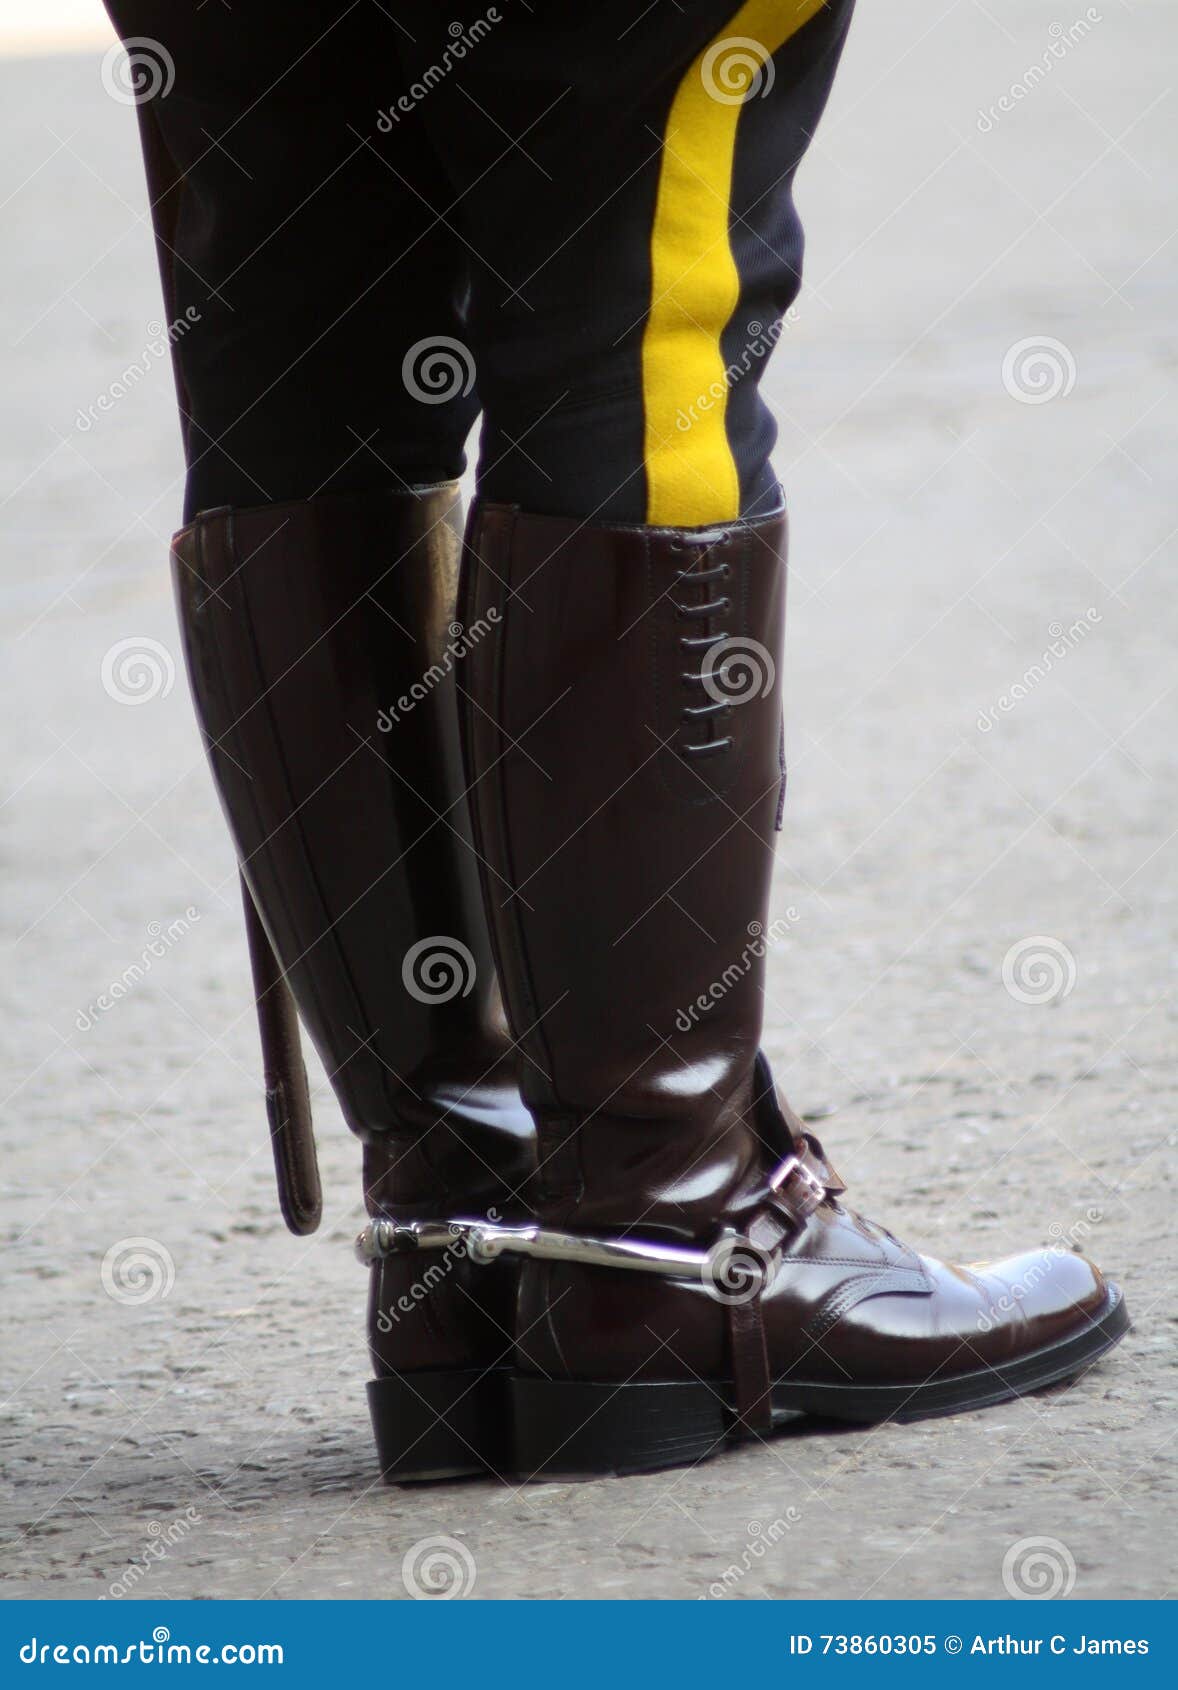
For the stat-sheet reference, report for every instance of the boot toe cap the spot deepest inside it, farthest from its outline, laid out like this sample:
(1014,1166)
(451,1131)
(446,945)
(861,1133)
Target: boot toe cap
(1040,1296)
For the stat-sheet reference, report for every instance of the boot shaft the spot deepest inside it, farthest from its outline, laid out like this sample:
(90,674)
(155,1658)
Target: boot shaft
(320,642)
(622,730)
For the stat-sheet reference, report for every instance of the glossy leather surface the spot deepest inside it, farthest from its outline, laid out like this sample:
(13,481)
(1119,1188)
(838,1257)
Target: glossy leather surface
(627,876)
(303,626)
(832,1314)
(845,1302)
(628,873)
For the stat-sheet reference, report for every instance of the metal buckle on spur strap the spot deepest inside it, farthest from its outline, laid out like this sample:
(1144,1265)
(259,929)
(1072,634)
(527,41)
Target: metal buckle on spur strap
(798,1188)
(484,1241)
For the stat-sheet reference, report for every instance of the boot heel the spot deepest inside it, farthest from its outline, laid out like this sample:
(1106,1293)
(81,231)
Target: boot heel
(563,1429)
(439,1425)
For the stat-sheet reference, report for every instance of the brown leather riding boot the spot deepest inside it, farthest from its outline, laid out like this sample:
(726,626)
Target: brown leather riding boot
(695,1272)
(320,640)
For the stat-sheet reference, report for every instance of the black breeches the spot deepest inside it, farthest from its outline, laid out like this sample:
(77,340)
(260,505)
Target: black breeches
(378,221)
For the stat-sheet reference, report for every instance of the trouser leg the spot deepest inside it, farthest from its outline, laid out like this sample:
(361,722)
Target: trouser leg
(624,178)
(302,251)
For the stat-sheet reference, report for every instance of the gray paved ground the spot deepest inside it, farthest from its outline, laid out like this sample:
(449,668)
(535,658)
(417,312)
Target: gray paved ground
(945,532)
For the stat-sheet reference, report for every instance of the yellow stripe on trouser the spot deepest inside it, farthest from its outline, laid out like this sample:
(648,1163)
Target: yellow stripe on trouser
(690,472)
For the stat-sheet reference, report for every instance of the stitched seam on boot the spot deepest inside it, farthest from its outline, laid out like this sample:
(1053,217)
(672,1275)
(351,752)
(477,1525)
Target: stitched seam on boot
(847,1296)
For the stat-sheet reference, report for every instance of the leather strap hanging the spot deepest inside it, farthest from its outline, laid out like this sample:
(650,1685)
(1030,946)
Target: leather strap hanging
(288,1100)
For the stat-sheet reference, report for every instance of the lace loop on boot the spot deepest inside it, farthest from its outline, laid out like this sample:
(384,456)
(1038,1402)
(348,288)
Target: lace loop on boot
(702,575)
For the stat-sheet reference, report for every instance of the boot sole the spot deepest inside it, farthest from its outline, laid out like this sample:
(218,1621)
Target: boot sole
(571,1430)
(445,1425)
